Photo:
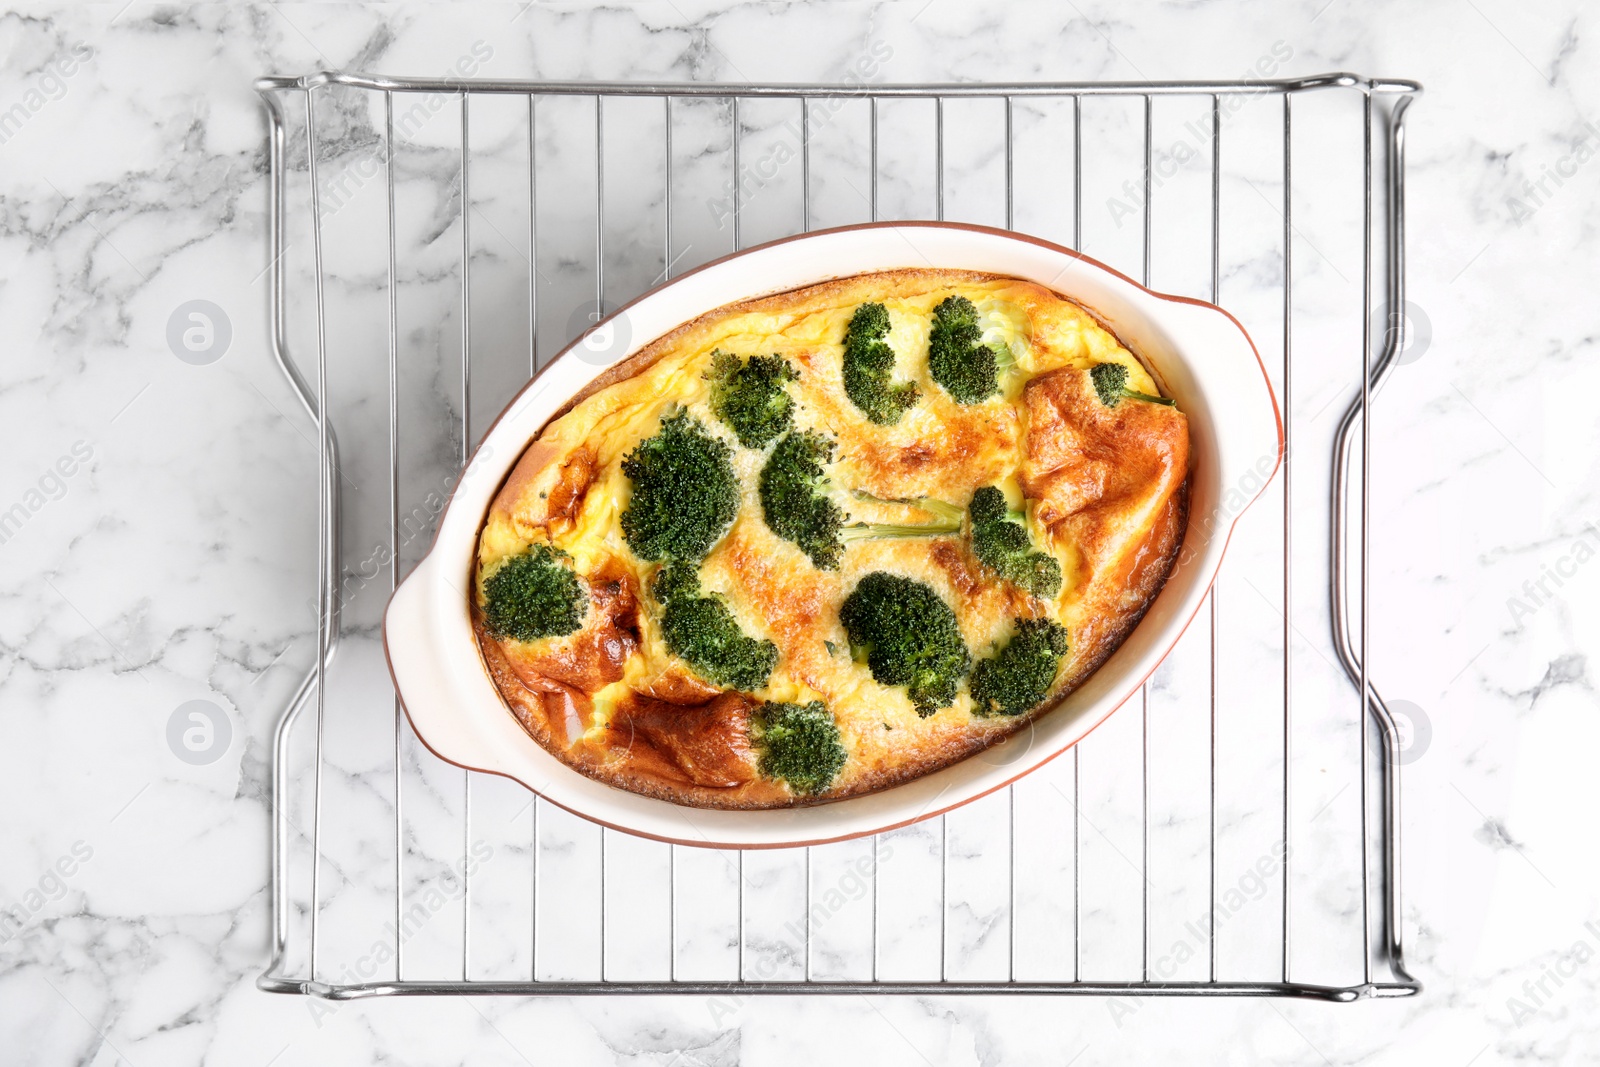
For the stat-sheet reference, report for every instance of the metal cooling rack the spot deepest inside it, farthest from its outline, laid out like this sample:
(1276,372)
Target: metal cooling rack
(388,832)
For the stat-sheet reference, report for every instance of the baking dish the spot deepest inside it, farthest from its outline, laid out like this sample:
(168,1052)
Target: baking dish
(1199,354)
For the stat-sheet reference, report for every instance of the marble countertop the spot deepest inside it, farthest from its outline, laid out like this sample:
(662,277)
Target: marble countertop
(158,494)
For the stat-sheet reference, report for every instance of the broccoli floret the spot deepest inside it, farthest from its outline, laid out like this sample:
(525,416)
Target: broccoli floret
(792,498)
(968,369)
(1111,386)
(908,636)
(749,396)
(701,631)
(678,580)
(1018,677)
(685,494)
(533,595)
(797,502)
(869,368)
(1000,542)
(798,743)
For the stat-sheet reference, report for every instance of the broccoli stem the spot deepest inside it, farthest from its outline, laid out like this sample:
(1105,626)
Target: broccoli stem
(949,513)
(1110,381)
(879,531)
(801,504)
(949,521)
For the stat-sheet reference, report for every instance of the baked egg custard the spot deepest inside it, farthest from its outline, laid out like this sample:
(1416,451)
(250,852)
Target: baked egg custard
(819,543)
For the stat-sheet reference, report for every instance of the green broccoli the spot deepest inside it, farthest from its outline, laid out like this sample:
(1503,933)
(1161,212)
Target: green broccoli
(1018,677)
(1111,386)
(1000,542)
(798,743)
(968,369)
(908,636)
(533,595)
(869,368)
(678,580)
(685,494)
(749,396)
(701,631)
(797,502)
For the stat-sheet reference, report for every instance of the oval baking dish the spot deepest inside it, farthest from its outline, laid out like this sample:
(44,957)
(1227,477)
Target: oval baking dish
(1198,353)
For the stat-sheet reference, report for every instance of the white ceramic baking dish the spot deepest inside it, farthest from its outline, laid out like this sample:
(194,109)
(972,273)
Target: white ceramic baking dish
(1198,352)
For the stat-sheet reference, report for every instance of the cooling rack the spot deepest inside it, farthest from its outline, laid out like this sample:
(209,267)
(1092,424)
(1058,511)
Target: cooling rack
(1233,830)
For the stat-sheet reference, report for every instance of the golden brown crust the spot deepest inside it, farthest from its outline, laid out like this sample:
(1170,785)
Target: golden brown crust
(1092,467)
(595,656)
(1107,488)
(1093,646)
(662,750)
(707,745)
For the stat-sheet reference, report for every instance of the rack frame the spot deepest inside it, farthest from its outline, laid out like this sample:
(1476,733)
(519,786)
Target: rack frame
(1384,972)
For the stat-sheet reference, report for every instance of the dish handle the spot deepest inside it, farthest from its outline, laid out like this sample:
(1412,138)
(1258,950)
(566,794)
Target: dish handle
(1237,446)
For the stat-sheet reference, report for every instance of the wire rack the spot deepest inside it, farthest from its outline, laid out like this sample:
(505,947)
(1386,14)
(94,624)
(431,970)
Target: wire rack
(1235,834)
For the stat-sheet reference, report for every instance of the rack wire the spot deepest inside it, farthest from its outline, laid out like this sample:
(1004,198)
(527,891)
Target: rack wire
(393,373)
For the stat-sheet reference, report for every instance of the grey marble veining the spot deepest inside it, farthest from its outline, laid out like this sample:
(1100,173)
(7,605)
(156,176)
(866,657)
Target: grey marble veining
(175,561)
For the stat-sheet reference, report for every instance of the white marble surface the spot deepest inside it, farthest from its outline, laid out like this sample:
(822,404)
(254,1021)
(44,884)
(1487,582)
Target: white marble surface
(174,561)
